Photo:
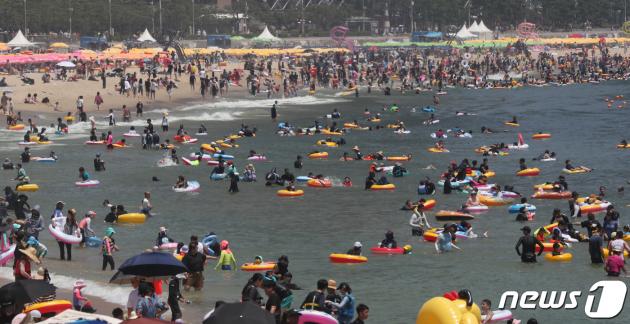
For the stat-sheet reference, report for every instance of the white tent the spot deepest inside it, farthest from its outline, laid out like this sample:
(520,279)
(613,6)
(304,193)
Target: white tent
(146,37)
(474,28)
(483,31)
(20,41)
(463,33)
(266,36)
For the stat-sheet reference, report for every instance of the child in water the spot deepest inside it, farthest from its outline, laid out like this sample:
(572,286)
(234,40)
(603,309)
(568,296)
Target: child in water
(226,261)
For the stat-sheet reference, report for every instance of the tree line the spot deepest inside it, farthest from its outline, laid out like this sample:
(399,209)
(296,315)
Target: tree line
(90,17)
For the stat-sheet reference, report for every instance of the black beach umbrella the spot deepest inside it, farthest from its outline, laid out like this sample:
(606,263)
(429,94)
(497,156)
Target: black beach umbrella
(153,264)
(240,313)
(25,292)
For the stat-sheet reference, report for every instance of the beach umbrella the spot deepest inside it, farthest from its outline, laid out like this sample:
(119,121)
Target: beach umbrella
(25,292)
(66,64)
(153,264)
(240,313)
(120,278)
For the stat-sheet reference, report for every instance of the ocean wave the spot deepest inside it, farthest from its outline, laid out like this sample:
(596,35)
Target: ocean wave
(111,293)
(264,103)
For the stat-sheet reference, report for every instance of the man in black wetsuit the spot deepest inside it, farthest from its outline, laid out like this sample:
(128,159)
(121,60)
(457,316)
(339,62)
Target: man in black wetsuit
(528,242)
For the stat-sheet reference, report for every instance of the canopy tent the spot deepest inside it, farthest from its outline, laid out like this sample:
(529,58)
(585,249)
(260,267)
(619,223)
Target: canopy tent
(474,28)
(20,41)
(483,32)
(463,33)
(146,37)
(266,36)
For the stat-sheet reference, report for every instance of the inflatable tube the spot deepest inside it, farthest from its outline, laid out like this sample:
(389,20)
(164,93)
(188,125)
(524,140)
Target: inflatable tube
(547,160)
(350,125)
(27,143)
(320,155)
(287,193)
(116,145)
(516,208)
(437,150)
(319,183)
(382,250)
(576,170)
(184,139)
(302,178)
(132,134)
(449,215)
(16,127)
(528,172)
(45,160)
(49,308)
(68,118)
(518,147)
(428,109)
(94,142)
(454,184)
(541,136)
(433,135)
(398,158)
(201,134)
(477,209)
(389,186)
(188,162)
(441,310)
(218,176)
(192,186)
(552,195)
(88,183)
(223,145)
(169,246)
(544,186)
(548,247)
(132,218)
(213,163)
(512,124)
(429,204)
(328,132)
(313,316)
(494,201)
(223,156)
(208,148)
(60,236)
(346,258)
(606,253)
(430,236)
(7,255)
(559,258)
(499,316)
(204,157)
(262,267)
(257,158)
(594,208)
(93,242)
(29,187)
(328,144)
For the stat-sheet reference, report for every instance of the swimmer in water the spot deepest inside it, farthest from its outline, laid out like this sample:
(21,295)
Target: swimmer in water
(181,182)
(83,175)
(389,241)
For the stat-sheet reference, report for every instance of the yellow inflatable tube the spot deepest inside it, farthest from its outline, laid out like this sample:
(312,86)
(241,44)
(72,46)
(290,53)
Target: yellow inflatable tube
(440,310)
(29,187)
(131,218)
(559,258)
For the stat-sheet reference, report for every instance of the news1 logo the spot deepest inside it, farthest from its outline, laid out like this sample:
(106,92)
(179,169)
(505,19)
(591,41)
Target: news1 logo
(612,295)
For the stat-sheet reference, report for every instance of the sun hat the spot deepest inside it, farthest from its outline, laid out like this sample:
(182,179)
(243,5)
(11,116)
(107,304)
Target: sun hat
(79,284)
(358,244)
(31,253)
(332,284)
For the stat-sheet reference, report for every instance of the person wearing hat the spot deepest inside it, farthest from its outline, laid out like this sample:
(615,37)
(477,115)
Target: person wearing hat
(41,249)
(356,249)
(615,264)
(163,237)
(617,242)
(332,296)
(22,265)
(79,302)
(108,247)
(226,261)
(528,243)
(85,226)
(345,308)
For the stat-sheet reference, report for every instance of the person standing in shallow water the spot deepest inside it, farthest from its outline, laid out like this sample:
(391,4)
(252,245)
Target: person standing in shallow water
(274,110)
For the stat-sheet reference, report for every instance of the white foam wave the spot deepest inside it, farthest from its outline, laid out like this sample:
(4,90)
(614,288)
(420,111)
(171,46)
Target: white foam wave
(264,103)
(111,293)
